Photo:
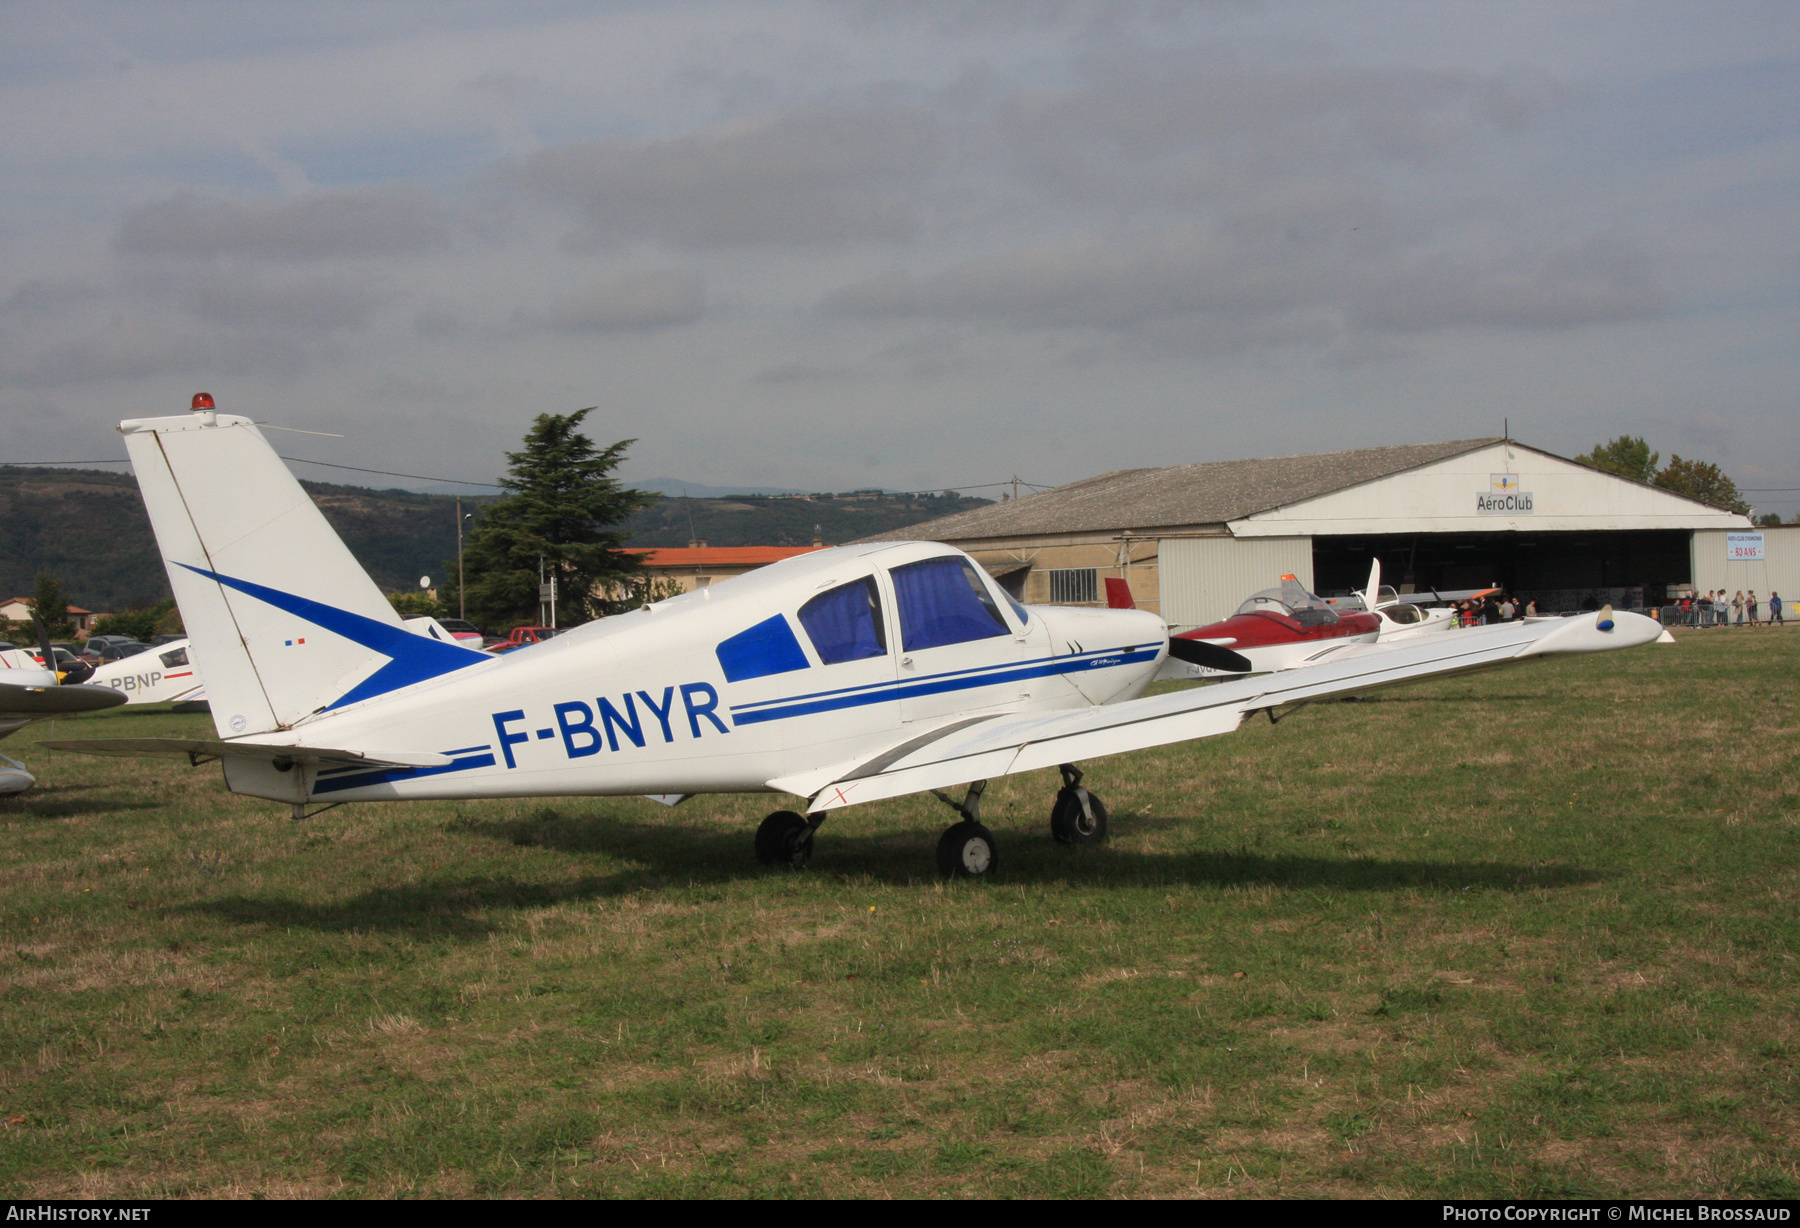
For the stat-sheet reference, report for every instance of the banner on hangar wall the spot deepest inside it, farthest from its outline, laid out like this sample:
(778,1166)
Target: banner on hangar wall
(1744,548)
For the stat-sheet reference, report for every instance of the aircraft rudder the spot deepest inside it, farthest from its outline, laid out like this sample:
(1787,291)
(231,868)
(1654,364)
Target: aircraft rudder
(265,585)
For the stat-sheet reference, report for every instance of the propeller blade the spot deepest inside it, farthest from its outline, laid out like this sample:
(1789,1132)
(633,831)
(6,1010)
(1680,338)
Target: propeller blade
(44,642)
(1199,652)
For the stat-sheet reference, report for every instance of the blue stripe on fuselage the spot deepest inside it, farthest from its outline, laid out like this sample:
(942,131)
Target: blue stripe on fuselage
(958,680)
(386,775)
(1068,664)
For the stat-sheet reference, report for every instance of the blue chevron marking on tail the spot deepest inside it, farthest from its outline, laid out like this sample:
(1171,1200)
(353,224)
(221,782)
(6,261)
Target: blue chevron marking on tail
(411,658)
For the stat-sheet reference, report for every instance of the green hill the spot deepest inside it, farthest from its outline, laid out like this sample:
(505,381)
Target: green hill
(89,529)
(775,520)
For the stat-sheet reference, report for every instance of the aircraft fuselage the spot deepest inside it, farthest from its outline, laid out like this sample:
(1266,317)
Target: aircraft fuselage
(725,693)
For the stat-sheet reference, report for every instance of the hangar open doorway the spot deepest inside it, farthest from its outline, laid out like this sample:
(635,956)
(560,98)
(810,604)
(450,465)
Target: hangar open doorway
(1559,570)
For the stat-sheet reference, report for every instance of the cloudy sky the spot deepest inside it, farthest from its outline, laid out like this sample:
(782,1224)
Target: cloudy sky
(908,244)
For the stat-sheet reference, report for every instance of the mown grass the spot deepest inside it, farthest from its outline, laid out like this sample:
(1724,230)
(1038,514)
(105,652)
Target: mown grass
(1529,933)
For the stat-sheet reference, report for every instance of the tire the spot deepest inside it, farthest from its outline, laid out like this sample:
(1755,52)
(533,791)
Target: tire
(784,839)
(1070,826)
(967,850)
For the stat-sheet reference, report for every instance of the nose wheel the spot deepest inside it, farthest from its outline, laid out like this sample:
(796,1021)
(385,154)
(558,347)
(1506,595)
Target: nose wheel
(785,839)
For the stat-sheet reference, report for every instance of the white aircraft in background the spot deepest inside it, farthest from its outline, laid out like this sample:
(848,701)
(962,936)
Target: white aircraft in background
(31,692)
(1405,620)
(840,676)
(164,674)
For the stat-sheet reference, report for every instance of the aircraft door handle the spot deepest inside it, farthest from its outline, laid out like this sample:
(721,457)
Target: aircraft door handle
(906,661)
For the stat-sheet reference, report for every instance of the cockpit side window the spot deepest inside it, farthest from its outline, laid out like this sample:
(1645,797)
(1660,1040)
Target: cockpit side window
(178,657)
(845,623)
(942,601)
(1024,615)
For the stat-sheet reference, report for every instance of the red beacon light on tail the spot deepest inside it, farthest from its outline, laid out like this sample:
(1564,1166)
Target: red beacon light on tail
(202,402)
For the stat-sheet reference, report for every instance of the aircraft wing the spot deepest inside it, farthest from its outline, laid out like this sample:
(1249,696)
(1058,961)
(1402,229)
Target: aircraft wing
(1429,595)
(196,749)
(981,749)
(34,702)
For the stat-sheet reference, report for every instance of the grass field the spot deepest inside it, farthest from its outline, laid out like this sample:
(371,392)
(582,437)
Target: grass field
(1529,933)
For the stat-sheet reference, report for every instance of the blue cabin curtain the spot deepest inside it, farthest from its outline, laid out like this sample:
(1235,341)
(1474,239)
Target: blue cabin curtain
(943,601)
(845,623)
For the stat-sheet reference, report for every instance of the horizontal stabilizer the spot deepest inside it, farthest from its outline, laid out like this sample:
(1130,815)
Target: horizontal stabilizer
(198,748)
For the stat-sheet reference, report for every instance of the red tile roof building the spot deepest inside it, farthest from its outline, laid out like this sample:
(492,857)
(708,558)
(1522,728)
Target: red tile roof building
(697,566)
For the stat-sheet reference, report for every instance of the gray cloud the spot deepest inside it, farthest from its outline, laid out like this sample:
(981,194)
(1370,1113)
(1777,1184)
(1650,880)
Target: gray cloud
(1027,209)
(320,305)
(330,225)
(637,301)
(1194,288)
(1188,128)
(120,351)
(812,178)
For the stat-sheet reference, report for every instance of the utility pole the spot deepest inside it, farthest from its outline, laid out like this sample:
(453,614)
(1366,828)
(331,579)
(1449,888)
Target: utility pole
(1015,488)
(461,604)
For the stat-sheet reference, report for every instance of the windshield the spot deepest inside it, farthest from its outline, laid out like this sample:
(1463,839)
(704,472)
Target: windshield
(1293,601)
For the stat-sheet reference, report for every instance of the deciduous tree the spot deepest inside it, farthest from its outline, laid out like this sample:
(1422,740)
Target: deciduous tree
(414,603)
(51,605)
(1628,456)
(1704,481)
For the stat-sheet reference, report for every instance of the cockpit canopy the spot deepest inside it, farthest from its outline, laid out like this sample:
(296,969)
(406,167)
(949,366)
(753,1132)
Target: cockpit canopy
(941,601)
(1292,601)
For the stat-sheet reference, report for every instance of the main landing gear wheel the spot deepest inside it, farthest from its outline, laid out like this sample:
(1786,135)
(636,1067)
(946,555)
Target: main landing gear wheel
(784,839)
(967,850)
(1073,823)
(1078,816)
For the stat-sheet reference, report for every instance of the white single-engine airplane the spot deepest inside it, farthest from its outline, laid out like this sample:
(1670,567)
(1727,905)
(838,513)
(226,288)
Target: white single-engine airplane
(841,676)
(164,674)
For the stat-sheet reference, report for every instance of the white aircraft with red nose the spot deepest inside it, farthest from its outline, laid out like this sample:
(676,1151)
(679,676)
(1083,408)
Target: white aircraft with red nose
(840,676)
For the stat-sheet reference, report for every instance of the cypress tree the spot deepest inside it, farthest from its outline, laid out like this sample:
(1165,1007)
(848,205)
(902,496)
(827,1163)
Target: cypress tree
(561,505)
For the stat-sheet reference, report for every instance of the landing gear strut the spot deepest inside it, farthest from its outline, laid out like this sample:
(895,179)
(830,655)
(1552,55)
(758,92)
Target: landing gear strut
(967,849)
(786,839)
(1078,817)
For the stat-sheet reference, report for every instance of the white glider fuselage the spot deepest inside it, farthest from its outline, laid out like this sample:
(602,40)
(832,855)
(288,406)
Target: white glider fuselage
(672,699)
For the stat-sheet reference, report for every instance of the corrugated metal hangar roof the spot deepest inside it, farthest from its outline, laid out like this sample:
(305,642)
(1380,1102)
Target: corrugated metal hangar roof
(1214,492)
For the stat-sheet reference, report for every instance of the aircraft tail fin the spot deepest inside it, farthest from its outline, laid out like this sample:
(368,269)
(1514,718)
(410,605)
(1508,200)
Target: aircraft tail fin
(1118,594)
(1372,593)
(285,619)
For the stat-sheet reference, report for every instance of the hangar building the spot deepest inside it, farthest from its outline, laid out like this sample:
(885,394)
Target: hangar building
(1194,540)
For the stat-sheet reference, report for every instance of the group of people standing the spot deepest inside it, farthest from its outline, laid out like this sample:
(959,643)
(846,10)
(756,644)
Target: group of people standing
(1493,608)
(1714,609)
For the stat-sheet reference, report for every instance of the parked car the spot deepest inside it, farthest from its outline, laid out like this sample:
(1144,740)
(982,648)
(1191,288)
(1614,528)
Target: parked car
(115,651)
(466,633)
(521,636)
(159,640)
